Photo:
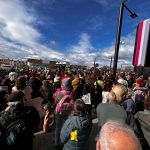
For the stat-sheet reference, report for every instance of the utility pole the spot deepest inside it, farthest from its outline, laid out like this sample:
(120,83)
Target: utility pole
(133,15)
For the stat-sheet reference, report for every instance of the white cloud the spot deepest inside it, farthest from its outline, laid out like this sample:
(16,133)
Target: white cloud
(125,51)
(19,39)
(17,22)
(83,46)
(83,53)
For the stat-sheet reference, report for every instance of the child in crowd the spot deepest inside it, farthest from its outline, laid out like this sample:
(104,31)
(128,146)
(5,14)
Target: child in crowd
(76,130)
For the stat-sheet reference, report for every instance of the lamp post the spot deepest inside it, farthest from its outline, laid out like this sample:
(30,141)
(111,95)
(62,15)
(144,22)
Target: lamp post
(110,63)
(133,15)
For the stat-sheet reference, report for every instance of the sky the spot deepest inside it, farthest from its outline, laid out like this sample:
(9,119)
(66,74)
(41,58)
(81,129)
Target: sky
(77,31)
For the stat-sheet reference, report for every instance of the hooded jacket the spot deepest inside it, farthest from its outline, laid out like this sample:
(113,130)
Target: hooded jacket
(75,133)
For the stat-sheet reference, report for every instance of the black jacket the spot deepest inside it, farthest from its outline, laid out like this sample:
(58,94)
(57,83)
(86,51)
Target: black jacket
(31,117)
(35,84)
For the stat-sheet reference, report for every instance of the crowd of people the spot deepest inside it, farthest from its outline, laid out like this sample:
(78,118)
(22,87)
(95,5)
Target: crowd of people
(66,99)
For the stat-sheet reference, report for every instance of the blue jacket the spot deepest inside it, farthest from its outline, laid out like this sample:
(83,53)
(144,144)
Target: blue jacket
(75,133)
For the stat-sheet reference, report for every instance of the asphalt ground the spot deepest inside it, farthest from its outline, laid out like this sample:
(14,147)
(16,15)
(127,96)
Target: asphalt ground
(45,141)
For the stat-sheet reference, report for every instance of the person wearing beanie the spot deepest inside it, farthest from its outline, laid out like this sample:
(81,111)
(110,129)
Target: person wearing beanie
(66,87)
(22,121)
(66,84)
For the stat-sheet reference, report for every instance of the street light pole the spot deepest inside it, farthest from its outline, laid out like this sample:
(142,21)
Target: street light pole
(110,63)
(133,15)
(118,39)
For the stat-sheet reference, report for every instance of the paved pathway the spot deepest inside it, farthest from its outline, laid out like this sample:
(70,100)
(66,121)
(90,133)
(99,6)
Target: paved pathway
(44,141)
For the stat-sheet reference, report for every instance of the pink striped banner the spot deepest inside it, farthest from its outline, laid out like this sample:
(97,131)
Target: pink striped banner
(138,43)
(141,48)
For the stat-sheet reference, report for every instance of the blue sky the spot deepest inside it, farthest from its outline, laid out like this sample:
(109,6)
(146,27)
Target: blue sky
(68,30)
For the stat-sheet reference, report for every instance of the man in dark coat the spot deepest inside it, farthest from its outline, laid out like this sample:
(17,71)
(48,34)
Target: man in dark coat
(23,115)
(35,83)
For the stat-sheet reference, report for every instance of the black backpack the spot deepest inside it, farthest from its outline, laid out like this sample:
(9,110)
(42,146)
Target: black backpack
(16,131)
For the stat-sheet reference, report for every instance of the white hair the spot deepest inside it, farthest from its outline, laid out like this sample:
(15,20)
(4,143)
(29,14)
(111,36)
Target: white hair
(109,128)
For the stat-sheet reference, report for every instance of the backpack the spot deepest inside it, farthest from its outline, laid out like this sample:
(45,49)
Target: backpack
(16,131)
(65,105)
(17,127)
